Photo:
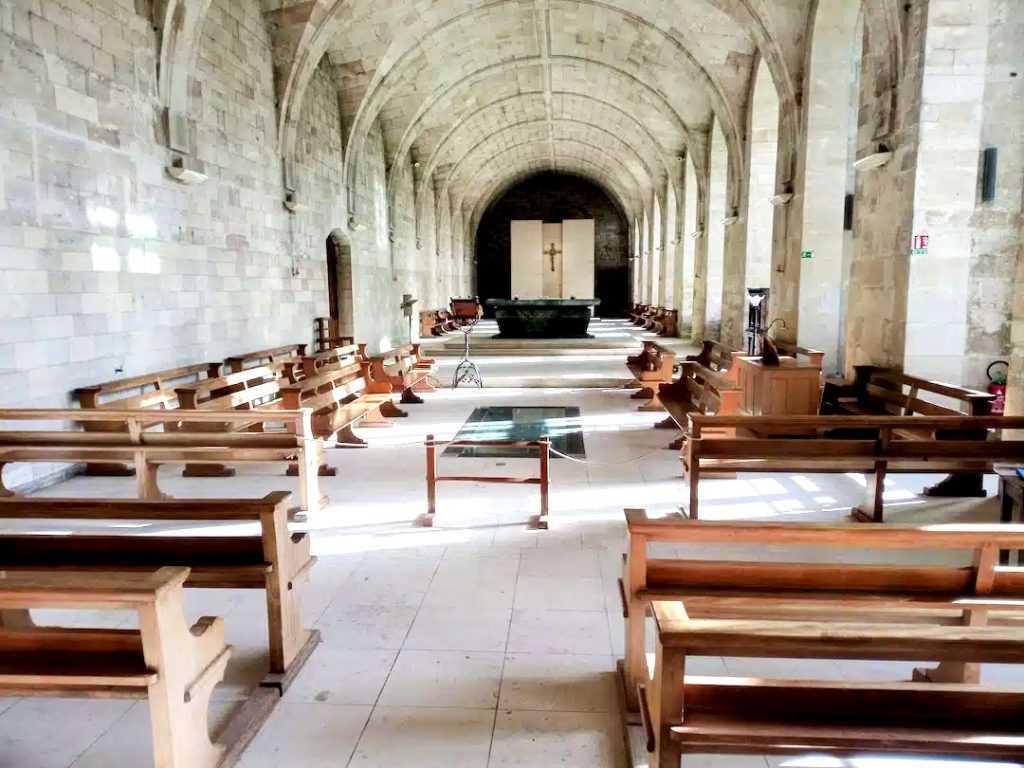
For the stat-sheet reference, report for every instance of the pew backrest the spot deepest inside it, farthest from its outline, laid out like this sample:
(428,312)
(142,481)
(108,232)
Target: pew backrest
(248,388)
(151,390)
(881,390)
(261,357)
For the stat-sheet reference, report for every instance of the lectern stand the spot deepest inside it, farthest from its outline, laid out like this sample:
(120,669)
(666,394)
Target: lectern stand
(466,372)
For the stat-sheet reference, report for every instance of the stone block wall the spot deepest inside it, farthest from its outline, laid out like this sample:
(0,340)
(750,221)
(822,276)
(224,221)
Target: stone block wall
(111,268)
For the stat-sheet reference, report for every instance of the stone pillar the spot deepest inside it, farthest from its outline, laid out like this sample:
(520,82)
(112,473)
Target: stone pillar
(734,253)
(699,330)
(718,212)
(996,284)
(946,190)
(667,272)
(888,120)
(830,122)
(687,247)
(653,247)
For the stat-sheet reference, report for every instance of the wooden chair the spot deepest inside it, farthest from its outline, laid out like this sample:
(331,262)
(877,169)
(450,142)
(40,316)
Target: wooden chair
(794,588)
(340,394)
(881,391)
(404,368)
(263,357)
(147,448)
(272,559)
(698,390)
(651,368)
(726,715)
(172,665)
(876,448)
(151,390)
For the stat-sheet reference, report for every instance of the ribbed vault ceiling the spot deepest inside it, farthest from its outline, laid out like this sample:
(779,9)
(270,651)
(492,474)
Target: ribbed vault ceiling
(483,92)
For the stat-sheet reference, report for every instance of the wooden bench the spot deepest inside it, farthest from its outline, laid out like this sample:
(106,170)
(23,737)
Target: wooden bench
(651,368)
(314,365)
(640,314)
(340,395)
(271,559)
(796,588)
(688,714)
(881,391)
(151,390)
(718,358)
(251,389)
(146,448)
(439,322)
(172,665)
(666,322)
(404,368)
(878,447)
(262,357)
(698,390)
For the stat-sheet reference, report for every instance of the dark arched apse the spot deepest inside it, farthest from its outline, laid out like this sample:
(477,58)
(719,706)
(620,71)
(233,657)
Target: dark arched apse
(554,197)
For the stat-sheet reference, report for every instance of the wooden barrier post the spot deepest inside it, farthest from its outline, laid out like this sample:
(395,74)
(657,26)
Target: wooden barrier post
(428,521)
(545,482)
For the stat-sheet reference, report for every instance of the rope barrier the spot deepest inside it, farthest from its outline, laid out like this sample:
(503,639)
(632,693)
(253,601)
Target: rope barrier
(555,451)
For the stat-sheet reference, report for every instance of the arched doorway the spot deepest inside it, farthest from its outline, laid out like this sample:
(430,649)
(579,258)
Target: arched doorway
(339,284)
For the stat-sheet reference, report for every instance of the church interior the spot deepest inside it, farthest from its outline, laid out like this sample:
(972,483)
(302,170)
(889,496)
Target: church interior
(693,330)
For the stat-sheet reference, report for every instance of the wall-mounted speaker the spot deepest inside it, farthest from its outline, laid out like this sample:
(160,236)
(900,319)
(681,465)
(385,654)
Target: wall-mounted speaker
(989,161)
(848,214)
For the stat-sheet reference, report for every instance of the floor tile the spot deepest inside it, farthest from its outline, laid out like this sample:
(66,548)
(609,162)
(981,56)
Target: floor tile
(369,627)
(559,682)
(52,733)
(564,739)
(538,631)
(421,737)
(307,735)
(457,679)
(338,675)
(562,593)
(441,629)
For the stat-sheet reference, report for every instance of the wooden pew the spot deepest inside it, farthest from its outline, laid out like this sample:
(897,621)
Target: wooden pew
(404,368)
(881,391)
(688,714)
(795,588)
(698,390)
(146,448)
(172,665)
(667,322)
(878,447)
(439,322)
(340,394)
(271,559)
(150,390)
(651,368)
(641,313)
(250,389)
(262,357)
(719,358)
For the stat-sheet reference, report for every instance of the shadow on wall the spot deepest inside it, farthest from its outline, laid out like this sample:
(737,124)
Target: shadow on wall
(552,197)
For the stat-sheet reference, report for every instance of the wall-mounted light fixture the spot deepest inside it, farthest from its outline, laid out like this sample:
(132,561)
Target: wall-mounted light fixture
(697,233)
(732,218)
(355,224)
(783,197)
(875,159)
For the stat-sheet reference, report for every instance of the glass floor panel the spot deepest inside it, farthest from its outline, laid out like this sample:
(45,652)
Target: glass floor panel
(561,424)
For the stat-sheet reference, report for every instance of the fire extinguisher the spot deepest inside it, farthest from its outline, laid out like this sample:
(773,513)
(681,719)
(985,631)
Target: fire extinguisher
(997,386)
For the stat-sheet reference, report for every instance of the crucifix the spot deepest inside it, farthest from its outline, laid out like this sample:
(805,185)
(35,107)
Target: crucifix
(552,252)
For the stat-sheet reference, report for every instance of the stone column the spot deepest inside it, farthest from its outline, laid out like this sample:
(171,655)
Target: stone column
(734,266)
(996,284)
(699,330)
(667,271)
(946,190)
(687,247)
(888,121)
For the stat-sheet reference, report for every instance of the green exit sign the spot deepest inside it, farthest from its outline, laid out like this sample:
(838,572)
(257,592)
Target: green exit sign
(807,254)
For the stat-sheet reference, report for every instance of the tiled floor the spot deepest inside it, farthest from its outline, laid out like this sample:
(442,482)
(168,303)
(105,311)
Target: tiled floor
(477,643)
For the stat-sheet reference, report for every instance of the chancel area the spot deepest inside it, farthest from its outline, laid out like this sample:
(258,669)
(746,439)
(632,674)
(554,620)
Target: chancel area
(521,383)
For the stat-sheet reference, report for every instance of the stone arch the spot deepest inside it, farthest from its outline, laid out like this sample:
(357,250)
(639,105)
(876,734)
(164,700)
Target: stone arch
(340,289)
(180,24)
